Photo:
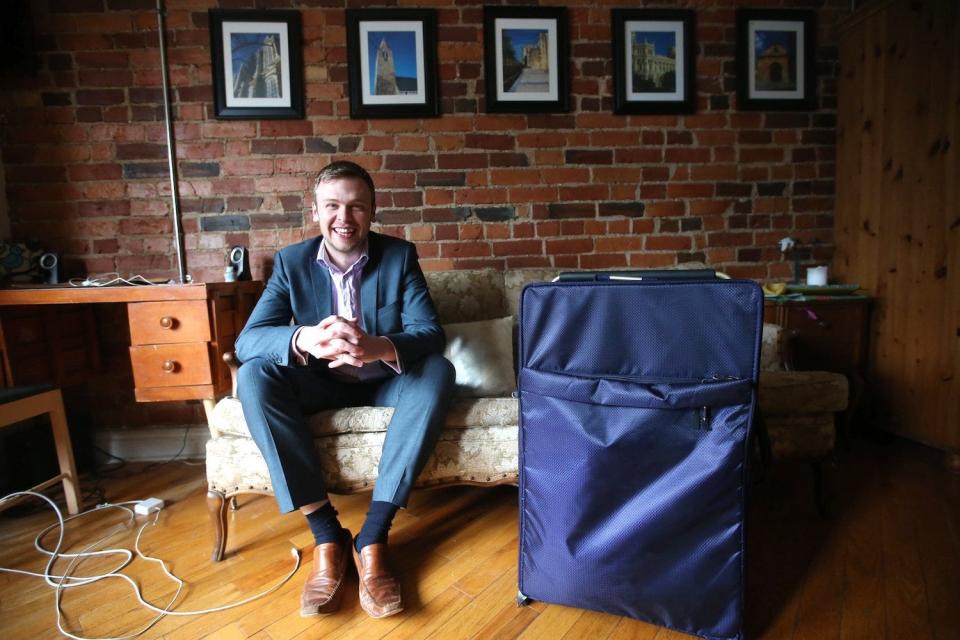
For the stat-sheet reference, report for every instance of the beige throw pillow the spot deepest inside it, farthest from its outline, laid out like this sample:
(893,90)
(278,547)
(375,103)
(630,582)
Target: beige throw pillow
(482,353)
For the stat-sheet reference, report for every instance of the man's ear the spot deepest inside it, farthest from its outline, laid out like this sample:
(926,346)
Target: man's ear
(315,214)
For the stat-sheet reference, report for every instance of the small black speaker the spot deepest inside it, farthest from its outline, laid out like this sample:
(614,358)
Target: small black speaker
(50,268)
(240,260)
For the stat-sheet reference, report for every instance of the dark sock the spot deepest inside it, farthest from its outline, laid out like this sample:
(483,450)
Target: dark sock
(324,524)
(377,525)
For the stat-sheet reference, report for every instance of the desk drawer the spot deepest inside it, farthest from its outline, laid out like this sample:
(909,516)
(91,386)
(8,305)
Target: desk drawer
(172,365)
(168,322)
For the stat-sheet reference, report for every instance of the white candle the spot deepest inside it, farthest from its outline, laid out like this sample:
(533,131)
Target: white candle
(817,276)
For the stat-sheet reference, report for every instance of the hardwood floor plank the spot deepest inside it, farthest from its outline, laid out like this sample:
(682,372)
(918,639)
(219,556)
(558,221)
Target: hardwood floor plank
(592,625)
(553,623)
(629,629)
(863,583)
(907,614)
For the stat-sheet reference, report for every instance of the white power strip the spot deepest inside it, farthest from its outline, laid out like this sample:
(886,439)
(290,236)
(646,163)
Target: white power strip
(148,506)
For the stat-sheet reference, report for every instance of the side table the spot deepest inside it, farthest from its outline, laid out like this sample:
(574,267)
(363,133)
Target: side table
(828,333)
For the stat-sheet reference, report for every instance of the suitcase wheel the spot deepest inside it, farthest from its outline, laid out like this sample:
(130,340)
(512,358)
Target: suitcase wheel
(522,600)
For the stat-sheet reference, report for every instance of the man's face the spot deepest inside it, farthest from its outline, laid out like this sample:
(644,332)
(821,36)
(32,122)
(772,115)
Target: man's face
(344,210)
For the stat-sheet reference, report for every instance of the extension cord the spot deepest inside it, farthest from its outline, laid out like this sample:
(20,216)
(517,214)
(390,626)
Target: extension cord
(66,580)
(148,506)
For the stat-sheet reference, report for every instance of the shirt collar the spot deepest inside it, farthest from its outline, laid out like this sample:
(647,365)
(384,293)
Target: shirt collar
(324,259)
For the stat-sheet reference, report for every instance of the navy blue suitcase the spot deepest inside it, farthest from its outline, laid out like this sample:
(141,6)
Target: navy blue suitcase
(636,405)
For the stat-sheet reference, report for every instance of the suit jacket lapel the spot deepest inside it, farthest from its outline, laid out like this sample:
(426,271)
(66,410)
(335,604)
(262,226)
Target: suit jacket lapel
(368,285)
(322,293)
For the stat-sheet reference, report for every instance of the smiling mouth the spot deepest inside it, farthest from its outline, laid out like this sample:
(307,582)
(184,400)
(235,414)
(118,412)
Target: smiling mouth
(344,232)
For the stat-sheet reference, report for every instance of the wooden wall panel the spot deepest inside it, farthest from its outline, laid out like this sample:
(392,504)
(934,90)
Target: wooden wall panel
(897,218)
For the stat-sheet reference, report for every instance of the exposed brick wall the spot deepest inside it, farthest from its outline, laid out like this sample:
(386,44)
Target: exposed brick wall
(83,149)
(83,144)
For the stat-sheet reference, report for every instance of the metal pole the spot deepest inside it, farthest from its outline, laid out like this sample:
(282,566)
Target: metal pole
(171,153)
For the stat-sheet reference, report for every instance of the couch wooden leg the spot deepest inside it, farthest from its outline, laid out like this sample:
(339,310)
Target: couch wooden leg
(217,506)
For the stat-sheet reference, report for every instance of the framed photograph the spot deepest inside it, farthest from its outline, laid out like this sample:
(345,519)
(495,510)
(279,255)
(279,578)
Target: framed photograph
(653,61)
(257,64)
(776,60)
(526,59)
(392,63)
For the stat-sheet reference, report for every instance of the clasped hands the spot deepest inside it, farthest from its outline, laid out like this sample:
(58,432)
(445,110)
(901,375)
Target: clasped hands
(342,341)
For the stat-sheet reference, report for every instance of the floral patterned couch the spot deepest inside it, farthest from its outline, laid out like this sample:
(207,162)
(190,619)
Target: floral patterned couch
(479,444)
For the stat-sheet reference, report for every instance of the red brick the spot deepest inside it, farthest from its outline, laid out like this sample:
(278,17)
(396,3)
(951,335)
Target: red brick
(489,141)
(514,176)
(671,208)
(602,261)
(689,190)
(687,155)
(464,250)
(761,154)
(572,245)
(651,260)
(611,245)
(664,243)
(408,143)
(517,247)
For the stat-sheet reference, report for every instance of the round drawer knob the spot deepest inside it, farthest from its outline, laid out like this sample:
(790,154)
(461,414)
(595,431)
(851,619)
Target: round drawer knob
(167,322)
(169,366)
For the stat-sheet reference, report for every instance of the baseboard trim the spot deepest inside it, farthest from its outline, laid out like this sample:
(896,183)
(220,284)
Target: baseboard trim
(152,444)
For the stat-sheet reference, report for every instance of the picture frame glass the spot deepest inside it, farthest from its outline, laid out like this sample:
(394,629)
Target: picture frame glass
(257,67)
(654,60)
(526,60)
(392,67)
(775,59)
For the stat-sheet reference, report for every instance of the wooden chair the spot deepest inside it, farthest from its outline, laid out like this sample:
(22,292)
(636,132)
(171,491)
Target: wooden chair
(22,403)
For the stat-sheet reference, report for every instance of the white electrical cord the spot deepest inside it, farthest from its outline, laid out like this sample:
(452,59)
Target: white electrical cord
(67,581)
(112,278)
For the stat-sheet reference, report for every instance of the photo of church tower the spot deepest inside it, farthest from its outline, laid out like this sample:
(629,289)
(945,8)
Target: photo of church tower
(256,64)
(394,63)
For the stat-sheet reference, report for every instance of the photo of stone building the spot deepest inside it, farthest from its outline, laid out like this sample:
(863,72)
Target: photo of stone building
(775,67)
(654,61)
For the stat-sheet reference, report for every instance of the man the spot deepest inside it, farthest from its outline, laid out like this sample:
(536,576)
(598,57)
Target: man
(345,320)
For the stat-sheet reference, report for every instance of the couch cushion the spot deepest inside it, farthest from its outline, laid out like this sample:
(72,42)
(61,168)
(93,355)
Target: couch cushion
(482,354)
(515,280)
(349,461)
(468,295)
(227,417)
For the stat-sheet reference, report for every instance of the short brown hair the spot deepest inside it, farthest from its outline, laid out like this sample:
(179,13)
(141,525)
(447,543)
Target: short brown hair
(346,169)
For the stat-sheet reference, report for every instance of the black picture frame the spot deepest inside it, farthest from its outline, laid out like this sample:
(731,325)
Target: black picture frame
(407,42)
(643,81)
(776,60)
(546,57)
(258,40)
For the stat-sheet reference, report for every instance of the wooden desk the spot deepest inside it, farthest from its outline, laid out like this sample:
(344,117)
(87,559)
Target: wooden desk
(178,334)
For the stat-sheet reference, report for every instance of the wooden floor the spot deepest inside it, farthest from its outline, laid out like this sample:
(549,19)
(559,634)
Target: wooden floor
(886,565)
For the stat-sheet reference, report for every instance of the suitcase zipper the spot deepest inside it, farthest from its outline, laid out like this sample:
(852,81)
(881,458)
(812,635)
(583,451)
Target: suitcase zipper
(701,419)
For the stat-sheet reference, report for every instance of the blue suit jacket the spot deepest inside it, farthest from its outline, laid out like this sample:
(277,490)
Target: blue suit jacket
(394,301)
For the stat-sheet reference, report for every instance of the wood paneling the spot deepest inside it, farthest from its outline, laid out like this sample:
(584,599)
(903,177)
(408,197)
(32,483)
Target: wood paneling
(898,211)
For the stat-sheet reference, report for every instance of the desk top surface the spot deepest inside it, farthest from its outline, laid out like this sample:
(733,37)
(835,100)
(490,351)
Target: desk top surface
(67,294)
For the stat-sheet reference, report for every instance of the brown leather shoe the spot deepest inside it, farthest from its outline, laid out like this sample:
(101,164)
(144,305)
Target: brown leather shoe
(322,592)
(379,590)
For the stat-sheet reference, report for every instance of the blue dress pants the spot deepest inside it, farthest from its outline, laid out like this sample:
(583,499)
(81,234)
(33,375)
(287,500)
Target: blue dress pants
(277,399)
